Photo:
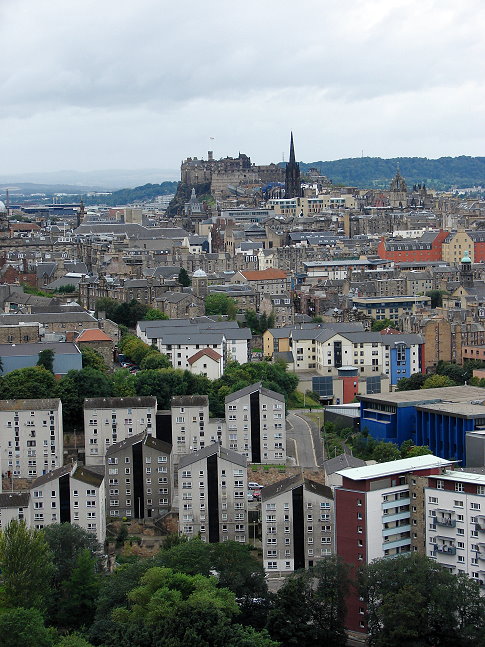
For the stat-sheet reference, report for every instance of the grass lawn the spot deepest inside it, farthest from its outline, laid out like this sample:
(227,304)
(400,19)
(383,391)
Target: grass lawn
(298,400)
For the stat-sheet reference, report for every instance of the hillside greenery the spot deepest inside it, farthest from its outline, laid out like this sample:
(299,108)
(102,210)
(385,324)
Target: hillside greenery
(147,192)
(376,172)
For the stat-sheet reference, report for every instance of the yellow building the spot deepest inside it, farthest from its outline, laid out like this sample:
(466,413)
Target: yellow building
(455,245)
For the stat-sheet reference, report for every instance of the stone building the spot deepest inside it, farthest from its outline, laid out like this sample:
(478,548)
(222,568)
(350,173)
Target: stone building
(98,341)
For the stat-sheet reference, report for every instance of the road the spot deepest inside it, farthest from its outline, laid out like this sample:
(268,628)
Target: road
(304,439)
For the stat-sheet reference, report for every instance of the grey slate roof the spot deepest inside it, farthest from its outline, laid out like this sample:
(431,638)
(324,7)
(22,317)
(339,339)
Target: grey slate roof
(54,474)
(215,448)
(87,475)
(190,401)
(342,462)
(114,403)
(257,386)
(144,438)
(14,499)
(29,405)
(47,317)
(293,482)
(22,350)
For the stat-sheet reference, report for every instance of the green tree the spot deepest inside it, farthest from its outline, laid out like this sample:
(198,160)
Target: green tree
(154,314)
(123,384)
(437,382)
(220,304)
(377,326)
(24,628)
(155,360)
(412,600)
(46,359)
(28,383)
(69,288)
(252,321)
(66,541)
(73,640)
(415,381)
(436,297)
(184,278)
(75,386)
(309,609)
(191,557)
(455,372)
(26,566)
(384,452)
(77,604)
(92,359)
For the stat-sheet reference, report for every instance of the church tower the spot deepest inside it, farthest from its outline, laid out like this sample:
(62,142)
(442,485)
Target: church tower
(81,214)
(292,177)
(466,272)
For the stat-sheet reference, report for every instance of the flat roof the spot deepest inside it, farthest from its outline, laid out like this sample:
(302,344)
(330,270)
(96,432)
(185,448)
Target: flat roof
(426,396)
(394,467)
(458,475)
(462,410)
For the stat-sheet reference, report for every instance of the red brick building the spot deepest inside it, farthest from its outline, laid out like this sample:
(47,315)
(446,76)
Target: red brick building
(425,248)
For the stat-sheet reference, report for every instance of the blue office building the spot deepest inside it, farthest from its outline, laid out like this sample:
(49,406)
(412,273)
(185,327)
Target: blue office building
(439,418)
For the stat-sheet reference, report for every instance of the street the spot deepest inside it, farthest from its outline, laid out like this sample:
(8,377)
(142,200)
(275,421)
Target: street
(303,435)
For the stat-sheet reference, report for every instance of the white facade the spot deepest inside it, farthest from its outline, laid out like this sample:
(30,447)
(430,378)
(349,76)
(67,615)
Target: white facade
(455,522)
(14,506)
(110,420)
(192,429)
(297,531)
(73,494)
(256,424)
(32,441)
(213,495)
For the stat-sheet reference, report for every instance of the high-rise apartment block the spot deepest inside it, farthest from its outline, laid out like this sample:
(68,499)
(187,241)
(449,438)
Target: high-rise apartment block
(138,477)
(297,524)
(110,420)
(73,494)
(32,437)
(192,429)
(256,424)
(213,495)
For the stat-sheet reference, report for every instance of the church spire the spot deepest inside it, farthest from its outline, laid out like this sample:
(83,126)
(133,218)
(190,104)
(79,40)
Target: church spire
(292,176)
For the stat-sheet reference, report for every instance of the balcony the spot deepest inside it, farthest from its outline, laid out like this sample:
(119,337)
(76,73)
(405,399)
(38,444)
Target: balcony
(448,523)
(397,503)
(441,548)
(480,525)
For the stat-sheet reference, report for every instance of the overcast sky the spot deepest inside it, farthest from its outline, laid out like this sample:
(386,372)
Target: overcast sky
(132,84)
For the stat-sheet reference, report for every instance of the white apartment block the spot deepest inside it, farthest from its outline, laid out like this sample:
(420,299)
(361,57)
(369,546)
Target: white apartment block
(138,478)
(455,522)
(109,420)
(32,437)
(213,495)
(14,506)
(73,494)
(256,424)
(192,429)
(297,524)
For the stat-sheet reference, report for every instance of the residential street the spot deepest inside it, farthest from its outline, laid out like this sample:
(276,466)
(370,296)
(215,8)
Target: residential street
(303,434)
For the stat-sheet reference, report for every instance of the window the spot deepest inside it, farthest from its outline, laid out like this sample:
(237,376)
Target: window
(458,487)
(474,506)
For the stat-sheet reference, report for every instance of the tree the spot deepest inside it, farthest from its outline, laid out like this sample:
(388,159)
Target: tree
(437,382)
(66,541)
(77,604)
(28,383)
(415,381)
(455,372)
(154,314)
(412,600)
(73,640)
(377,326)
(155,360)
(123,384)
(69,288)
(220,304)
(309,609)
(92,359)
(26,566)
(77,385)
(436,297)
(384,452)
(46,359)
(24,628)
(184,278)
(191,557)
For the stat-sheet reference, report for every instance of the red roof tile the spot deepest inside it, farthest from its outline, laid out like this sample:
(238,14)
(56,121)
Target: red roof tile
(264,275)
(209,352)
(93,334)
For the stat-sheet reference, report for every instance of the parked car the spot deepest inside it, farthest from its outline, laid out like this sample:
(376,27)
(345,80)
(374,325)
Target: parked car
(257,495)
(250,496)
(254,486)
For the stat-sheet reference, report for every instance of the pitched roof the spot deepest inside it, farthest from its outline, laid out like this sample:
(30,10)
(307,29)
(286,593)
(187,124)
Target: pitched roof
(29,405)
(208,352)
(210,450)
(293,482)
(190,401)
(14,499)
(114,403)
(86,475)
(264,275)
(93,334)
(342,462)
(257,386)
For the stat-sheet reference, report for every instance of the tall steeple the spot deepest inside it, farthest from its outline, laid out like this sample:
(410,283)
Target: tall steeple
(292,177)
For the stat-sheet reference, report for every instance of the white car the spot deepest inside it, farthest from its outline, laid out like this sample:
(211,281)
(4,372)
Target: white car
(254,486)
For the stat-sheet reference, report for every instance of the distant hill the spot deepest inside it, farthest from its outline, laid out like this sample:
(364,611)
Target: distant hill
(127,196)
(375,172)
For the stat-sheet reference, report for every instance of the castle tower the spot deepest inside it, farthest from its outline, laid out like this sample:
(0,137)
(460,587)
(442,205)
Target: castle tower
(292,177)
(466,272)
(80,214)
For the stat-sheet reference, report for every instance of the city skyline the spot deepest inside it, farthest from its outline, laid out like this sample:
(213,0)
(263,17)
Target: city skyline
(142,85)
